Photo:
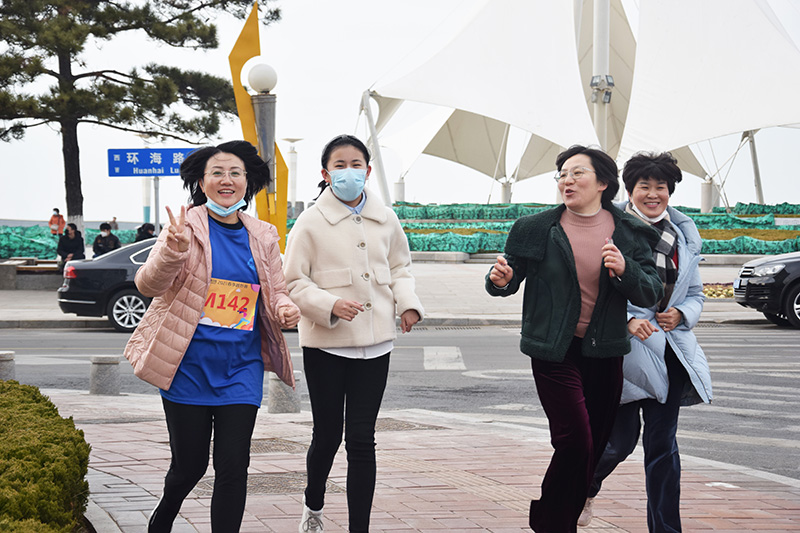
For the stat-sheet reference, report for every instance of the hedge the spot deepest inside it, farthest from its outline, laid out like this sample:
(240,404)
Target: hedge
(43,464)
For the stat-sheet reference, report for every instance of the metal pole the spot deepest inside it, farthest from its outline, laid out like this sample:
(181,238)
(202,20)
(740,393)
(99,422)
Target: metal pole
(376,150)
(264,109)
(157,216)
(751,135)
(292,176)
(146,189)
(600,66)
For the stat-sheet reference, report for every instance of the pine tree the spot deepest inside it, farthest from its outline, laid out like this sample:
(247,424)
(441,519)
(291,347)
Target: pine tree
(43,45)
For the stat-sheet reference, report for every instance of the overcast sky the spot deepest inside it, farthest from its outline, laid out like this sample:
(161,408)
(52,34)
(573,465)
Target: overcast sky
(326,54)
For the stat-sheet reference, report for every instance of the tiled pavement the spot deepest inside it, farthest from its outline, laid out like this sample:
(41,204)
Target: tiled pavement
(436,472)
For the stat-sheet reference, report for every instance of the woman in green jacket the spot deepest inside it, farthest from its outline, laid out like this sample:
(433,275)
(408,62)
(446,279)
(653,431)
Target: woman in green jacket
(582,262)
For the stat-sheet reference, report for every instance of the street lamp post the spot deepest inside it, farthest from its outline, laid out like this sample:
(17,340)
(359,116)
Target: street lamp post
(263,78)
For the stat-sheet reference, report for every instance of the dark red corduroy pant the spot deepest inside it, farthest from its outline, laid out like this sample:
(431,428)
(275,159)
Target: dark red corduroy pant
(580,396)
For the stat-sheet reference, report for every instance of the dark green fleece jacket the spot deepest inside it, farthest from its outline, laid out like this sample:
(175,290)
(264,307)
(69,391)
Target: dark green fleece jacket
(539,251)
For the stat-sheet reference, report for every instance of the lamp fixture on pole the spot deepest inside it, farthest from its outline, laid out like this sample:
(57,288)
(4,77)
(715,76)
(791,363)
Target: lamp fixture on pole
(262,78)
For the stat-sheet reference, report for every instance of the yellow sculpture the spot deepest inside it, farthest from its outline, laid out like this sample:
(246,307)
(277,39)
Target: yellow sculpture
(270,207)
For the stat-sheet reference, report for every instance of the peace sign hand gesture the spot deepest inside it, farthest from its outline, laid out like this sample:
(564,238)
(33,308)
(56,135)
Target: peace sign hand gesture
(177,238)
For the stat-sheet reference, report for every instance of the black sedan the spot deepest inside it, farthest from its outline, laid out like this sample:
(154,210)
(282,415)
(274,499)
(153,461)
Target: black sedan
(104,286)
(771,285)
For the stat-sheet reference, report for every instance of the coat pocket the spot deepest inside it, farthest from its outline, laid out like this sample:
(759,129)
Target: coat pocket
(383,276)
(331,279)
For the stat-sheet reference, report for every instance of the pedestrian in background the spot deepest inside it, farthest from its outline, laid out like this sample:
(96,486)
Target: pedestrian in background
(113,223)
(56,223)
(348,269)
(666,367)
(106,241)
(213,328)
(581,262)
(70,246)
(145,231)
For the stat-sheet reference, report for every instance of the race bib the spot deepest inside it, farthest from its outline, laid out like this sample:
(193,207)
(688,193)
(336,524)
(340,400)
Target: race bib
(230,304)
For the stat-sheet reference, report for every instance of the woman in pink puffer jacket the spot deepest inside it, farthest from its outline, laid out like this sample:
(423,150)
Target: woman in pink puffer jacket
(213,328)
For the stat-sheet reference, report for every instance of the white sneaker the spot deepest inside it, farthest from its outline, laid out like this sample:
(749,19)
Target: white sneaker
(311,521)
(586,515)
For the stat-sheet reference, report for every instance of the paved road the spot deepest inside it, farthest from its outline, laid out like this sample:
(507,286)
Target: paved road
(753,420)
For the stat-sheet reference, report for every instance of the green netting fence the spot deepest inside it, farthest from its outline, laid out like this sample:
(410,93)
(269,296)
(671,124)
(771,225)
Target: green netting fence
(37,241)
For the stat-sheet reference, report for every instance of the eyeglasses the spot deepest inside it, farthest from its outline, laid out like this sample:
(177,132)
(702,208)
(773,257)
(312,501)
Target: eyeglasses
(235,173)
(576,173)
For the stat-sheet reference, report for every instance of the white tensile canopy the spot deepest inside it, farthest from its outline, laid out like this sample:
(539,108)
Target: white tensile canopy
(712,68)
(698,70)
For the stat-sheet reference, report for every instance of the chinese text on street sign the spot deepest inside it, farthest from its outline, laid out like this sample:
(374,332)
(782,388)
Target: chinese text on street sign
(146,161)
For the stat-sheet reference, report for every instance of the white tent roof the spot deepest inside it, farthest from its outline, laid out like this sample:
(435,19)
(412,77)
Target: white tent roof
(712,68)
(502,60)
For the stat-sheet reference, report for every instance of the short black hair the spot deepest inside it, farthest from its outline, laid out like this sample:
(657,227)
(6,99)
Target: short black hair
(105,226)
(343,140)
(193,169)
(604,168)
(646,165)
(72,226)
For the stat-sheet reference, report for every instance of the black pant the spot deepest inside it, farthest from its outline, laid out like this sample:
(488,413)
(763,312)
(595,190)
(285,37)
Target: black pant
(580,396)
(662,462)
(190,428)
(344,392)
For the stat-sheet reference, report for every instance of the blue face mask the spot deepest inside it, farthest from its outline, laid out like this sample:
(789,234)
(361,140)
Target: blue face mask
(348,183)
(224,211)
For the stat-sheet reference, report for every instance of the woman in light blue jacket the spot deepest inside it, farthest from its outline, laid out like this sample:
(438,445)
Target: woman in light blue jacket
(666,367)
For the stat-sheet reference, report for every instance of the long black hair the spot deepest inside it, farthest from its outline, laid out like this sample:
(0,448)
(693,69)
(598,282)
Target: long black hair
(193,169)
(333,144)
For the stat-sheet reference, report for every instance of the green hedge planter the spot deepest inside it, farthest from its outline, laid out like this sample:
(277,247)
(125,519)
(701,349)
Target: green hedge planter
(43,464)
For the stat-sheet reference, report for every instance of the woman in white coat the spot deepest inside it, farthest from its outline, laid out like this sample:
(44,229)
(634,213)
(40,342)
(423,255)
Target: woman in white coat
(666,367)
(348,269)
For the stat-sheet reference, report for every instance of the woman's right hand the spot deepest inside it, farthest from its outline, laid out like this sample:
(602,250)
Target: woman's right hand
(177,238)
(347,309)
(641,328)
(501,273)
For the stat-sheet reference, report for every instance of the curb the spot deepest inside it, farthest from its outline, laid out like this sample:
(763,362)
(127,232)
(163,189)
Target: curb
(55,324)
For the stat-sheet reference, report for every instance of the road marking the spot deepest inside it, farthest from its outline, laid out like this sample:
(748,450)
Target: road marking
(509,373)
(443,358)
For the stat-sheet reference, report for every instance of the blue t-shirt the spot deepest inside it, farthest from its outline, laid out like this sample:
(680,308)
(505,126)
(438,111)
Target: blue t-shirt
(223,365)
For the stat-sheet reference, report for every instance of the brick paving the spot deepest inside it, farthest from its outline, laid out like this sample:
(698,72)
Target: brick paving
(436,472)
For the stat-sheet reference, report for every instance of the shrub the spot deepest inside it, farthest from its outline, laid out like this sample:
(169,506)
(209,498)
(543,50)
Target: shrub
(43,464)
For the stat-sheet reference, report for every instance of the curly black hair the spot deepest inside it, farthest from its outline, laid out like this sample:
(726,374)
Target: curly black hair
(193,169)
(646,165)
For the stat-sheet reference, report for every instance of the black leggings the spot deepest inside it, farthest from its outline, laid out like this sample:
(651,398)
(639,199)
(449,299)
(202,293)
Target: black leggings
(344,392)
(190,428)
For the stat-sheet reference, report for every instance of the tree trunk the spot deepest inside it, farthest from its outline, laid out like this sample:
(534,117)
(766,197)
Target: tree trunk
(72,168)
(69,140)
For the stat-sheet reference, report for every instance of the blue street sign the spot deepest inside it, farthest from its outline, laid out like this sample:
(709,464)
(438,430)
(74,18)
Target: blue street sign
(146,161)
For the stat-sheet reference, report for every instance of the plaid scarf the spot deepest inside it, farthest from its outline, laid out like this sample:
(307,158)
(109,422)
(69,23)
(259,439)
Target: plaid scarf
(664,253)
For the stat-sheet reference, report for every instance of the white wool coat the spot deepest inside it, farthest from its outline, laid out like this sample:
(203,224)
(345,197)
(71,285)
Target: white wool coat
(332,253)
(179,283)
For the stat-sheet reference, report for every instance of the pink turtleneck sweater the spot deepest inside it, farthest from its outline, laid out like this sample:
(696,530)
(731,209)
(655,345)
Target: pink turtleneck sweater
(587,236)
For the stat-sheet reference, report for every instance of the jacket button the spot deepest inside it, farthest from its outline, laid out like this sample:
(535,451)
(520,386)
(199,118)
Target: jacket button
(368,306)
(365,275)
(362,245)
(357,219)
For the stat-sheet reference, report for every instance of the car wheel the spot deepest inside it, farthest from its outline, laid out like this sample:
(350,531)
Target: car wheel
(126,309)
(792,307)
(778,320)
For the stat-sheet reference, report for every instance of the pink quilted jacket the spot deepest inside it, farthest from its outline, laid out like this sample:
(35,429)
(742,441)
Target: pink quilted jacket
(178,283)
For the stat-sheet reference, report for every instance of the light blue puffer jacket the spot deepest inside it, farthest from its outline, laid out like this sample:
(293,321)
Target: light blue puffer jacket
(644,368)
